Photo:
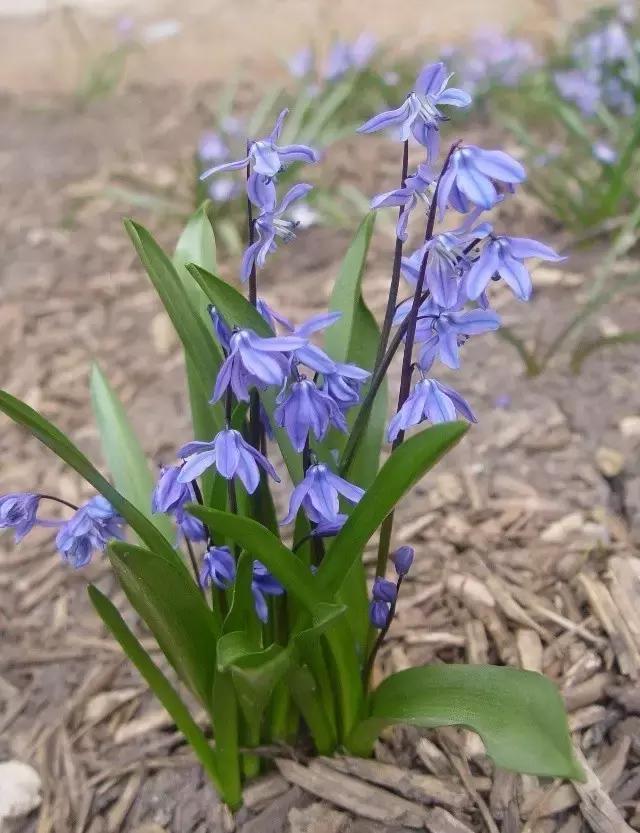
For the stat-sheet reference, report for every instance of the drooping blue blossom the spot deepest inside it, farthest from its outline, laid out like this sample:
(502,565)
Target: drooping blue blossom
(344,383)
(432,401)
(402,560)
(266,156)
(447,261)
(304,408)
(230,455)
(338,61)
(212,147)
(327,529)
(18,511)
(581,88)
(300,65)
(471,177)
(89,529)
(419,115)
(220,328)
(218,568)
(318,494)
(604,153)
(384,590)
(269,225)
(188,525)
(170,495)
(416,187)
(254,361)
(272,316)
(169,492)
(504,256)
(442,331)
(263,584)
(223,189)
(310,354)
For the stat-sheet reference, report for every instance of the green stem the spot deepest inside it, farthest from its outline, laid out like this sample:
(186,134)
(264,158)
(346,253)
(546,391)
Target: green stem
(305,694)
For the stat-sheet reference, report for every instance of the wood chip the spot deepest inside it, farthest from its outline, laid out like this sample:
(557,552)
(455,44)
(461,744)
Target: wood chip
(596,806)
(588,692)
(273,818)
(352,794)
(120,810)
(412,785)
(626,651)
(433,757)
(440,821)
(529,649)
(317,818)
(264,789)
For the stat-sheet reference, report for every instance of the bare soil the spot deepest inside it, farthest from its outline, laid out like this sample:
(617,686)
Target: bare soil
(524,547)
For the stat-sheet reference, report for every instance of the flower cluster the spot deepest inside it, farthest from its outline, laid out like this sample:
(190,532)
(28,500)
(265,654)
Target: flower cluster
(492,59)
(604,69)
(451,270)
(90,528)
(343,57)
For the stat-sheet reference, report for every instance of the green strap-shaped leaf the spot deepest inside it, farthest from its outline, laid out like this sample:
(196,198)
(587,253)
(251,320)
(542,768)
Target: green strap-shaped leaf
(226,730)
(157,682)
(175,612)
(238,312)
(401,471)
(197,245)
(197,340)
(122,450)
(518,714)
(62,446)
(264,545)
(347,292)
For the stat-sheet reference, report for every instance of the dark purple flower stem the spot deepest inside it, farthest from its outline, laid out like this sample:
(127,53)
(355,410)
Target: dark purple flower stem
(395,272)
(194,567)
(317,546)
(405,380)
(58,500)
(366,671)
(254,397)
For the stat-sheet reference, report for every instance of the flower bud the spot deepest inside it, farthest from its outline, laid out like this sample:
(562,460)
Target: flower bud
(403,559)
(378,613)
(384,590)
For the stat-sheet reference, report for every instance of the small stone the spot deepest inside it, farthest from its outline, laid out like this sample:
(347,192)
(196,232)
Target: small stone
(630,426)
(561,529)
(609,461)
(20,789)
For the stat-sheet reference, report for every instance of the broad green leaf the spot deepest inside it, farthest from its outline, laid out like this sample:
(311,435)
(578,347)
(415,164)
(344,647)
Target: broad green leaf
(362,352)
(174,611)
(241,615)
(123,453)
(265,546)
(196,339)
(347,292)
(255,672)
(226,730)
(518,714)
(157,682)
(308,698)
(404,468)
(197,245)
(238,312)
(60,444)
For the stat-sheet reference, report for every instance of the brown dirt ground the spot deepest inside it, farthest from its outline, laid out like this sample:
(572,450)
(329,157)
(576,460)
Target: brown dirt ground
(521,540)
